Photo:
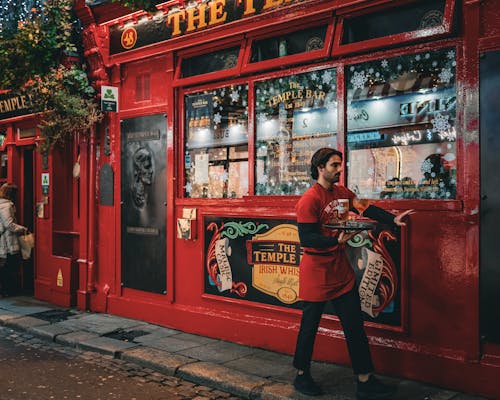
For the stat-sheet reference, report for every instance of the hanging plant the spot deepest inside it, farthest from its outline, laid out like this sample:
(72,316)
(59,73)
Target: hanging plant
(66,102)
(32,59)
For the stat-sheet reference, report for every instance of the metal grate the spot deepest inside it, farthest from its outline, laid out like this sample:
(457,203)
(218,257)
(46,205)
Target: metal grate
(126,336)
(53,316)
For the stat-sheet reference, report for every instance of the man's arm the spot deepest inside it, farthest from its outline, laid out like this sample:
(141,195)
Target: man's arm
(379,214)
(310,236)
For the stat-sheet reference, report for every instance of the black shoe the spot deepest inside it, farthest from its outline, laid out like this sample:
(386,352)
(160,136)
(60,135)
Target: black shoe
(373,389)
(305,384)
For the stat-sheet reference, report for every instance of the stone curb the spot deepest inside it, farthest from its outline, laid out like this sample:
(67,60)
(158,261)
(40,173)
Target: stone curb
(158,360)
(25,323)
(223,378)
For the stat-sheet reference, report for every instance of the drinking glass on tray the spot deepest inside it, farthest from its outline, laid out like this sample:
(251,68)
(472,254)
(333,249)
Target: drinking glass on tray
(360,204)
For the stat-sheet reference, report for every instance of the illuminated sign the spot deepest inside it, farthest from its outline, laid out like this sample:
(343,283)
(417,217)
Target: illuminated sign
(177,21)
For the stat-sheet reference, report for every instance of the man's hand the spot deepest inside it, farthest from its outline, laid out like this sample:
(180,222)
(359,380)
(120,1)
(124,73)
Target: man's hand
(398,219)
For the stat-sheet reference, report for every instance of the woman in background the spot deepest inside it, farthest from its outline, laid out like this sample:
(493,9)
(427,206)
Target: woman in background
(10,258)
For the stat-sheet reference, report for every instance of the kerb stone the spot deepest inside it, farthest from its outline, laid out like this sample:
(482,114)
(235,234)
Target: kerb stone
(157,360)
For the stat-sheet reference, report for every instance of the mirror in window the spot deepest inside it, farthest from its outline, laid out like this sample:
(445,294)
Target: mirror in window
(212,62)
(406,18)
(289,44)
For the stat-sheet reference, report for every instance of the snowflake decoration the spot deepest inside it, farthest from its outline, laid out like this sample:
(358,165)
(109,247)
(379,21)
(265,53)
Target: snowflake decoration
(434,63)
(440,123)
(371,171)
(215,104)
(417,57)
(384,63)
(399,67)
(217,118)
(235,96)
(370,71)
(433,195)
(441,184)
(327,77)
(257,91)
(427,56)
(377,74)
(244,103)
(451,55)
(445,75)
(426,166)
(188,187)
(314,76)
(429,135)
(262,179)
(223,93)
(359,79)
(221,108)
(352,68)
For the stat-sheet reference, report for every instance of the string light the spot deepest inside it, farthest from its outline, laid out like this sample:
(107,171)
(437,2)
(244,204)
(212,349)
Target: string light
(12,12)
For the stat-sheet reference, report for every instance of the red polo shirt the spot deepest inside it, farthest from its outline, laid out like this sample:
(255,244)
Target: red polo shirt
(326,276)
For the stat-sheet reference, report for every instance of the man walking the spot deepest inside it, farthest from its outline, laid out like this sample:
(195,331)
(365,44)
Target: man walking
(325,275)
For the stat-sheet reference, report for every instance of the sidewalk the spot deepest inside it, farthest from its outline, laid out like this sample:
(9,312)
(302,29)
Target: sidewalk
(244,371)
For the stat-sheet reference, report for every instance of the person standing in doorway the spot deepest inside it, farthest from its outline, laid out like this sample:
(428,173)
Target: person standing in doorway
(326,275)
(10,258)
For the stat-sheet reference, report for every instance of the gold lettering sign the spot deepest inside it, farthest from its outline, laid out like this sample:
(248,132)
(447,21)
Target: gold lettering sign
(275,256)
(14,104)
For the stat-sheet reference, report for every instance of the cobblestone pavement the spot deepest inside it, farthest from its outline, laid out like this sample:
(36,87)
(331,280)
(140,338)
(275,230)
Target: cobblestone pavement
(92,374)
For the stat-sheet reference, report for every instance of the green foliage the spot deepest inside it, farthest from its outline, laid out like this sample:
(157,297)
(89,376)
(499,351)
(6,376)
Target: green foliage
(65,99)
(31,58)
(146,5)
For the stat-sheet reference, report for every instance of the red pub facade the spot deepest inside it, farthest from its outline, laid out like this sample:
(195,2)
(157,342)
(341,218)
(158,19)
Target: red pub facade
(183,210)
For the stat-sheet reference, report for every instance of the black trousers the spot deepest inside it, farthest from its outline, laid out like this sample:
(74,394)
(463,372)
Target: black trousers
(348,309)
(9,268)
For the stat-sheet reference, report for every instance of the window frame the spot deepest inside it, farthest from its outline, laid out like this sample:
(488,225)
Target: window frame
(340,49)
(207,49)
(182,133)
(286,61)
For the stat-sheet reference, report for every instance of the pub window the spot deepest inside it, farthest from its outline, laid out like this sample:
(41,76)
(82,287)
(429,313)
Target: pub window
(295,115)
(25,133)
(289,44)
(216,143)
(401,116)
(410,17)
(216,61)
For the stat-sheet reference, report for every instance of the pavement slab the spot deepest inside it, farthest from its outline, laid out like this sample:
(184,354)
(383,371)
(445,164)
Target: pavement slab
(49,332)
(98,323)
(219,352)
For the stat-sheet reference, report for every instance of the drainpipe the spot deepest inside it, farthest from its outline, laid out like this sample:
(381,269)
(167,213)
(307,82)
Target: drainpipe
(91,244)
